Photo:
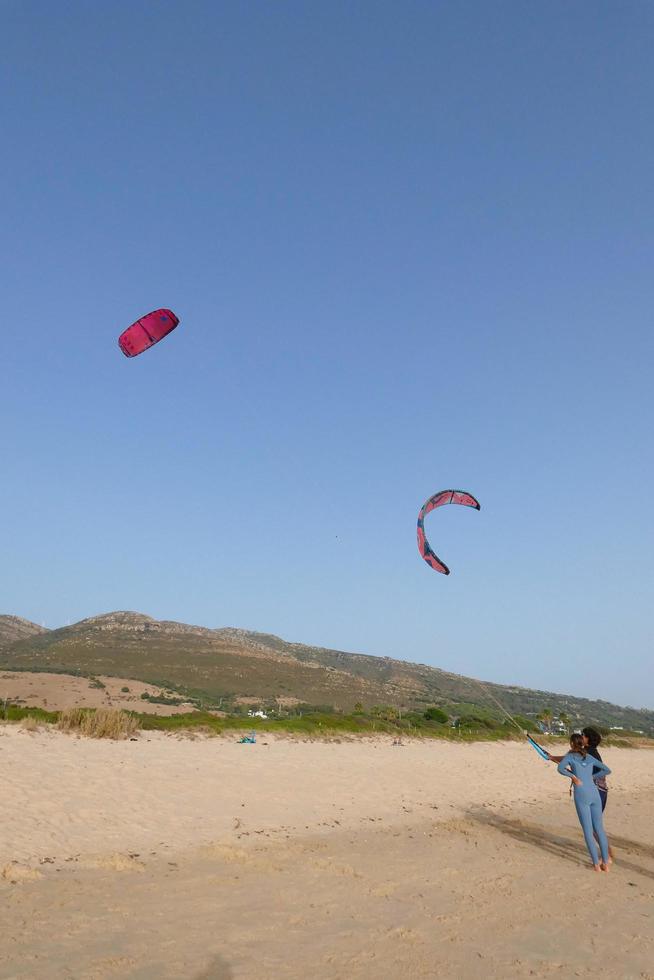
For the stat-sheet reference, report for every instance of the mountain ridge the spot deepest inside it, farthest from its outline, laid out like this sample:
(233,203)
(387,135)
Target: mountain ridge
(230,663)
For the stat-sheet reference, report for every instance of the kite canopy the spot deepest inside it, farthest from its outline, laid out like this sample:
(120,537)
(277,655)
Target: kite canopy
(149,330)
(439,500)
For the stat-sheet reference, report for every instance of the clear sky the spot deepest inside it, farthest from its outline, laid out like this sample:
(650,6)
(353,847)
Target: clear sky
(411,247)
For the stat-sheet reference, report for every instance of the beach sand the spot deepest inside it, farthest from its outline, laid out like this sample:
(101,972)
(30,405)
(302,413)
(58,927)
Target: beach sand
(172,857)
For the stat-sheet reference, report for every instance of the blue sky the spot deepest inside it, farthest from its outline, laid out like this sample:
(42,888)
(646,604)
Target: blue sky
(411,248)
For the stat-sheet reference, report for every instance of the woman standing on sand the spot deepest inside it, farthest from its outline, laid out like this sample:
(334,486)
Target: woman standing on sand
(592,739)
(578,766)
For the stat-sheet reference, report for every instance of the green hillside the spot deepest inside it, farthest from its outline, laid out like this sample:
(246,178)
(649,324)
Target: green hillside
(229,664)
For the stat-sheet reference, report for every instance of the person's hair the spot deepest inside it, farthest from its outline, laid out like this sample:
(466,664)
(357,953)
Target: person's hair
(577,744)
(593,736)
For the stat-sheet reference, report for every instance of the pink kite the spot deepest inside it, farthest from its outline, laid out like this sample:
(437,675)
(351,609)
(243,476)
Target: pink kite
(147,331)
(438,500)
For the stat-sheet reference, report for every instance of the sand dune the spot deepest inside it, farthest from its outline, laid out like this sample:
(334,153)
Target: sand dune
(55,692)
(170,857)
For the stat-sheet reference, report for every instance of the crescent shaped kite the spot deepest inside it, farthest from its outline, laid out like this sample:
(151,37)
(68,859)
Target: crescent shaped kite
(439,500)
(147,331)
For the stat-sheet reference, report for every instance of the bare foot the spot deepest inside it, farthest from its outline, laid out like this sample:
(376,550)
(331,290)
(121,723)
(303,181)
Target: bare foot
(597,867)
(604,867)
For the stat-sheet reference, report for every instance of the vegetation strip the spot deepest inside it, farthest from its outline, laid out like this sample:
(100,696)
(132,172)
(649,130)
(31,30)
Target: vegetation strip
(113,723)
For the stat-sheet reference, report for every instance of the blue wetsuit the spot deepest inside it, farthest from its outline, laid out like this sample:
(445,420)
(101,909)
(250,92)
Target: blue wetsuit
(587,799)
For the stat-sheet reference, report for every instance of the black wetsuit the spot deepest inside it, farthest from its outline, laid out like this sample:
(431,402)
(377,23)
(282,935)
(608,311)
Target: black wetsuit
(600,781)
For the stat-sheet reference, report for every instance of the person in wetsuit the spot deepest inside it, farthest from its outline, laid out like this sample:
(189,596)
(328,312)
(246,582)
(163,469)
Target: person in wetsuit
(578,766)
(592,739)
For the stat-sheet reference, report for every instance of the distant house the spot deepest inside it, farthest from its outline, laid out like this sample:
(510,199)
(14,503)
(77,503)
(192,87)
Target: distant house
(555,727)
(257,714)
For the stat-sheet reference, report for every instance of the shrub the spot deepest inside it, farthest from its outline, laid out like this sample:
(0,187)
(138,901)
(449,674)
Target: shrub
(125,690)
(386,712)
(436,714)
(477,722)
(162,699)
(12,712)
(526,724)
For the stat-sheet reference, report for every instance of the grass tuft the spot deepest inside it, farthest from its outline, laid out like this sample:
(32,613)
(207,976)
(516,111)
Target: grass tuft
(70,719)
(101,723)
(30,724)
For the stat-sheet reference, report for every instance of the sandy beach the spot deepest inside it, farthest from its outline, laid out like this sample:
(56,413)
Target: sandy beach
(174,857)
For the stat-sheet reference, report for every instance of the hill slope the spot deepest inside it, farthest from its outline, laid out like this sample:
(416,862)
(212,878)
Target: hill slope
(13,628)
(233,663)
